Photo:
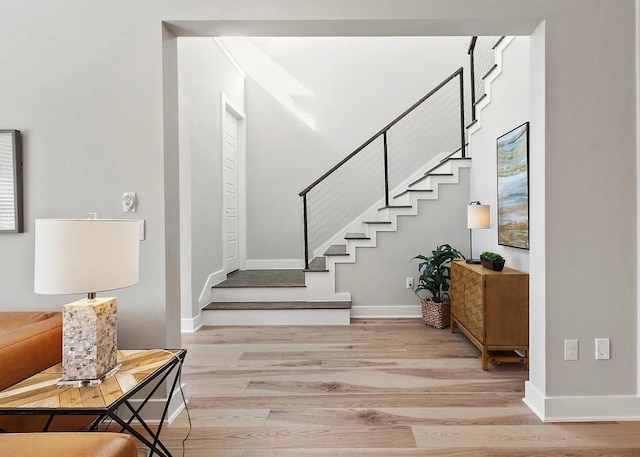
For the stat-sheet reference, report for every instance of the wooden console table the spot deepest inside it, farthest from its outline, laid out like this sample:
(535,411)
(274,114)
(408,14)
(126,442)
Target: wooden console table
(40,394)
(492,309)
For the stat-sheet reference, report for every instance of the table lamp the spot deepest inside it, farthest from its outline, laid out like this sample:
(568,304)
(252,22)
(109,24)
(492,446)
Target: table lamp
(478,217)
(74,256)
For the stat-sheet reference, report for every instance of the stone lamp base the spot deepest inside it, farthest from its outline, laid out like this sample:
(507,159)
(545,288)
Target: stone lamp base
(89,341)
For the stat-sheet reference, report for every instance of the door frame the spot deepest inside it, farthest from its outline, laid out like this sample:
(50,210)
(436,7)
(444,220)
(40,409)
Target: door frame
(228,106)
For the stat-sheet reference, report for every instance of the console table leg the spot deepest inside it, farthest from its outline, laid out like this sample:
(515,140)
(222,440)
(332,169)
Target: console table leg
(485,356)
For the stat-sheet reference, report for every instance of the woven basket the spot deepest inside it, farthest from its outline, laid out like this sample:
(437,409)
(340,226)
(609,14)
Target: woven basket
(436,315)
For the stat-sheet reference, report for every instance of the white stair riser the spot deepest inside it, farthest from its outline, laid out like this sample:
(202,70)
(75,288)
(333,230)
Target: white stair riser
(431,182)
(250,294)
(277,317)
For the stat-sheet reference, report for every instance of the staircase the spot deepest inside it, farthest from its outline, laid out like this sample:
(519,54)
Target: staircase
(310,296)
(348,207)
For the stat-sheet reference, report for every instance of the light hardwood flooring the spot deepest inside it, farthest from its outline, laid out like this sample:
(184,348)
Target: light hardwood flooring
(377,388)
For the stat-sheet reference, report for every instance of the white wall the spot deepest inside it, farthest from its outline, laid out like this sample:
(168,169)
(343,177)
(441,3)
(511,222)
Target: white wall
(638,155)
(204,74)
(359,84)
(376,281)
(86,92)
(88,85)
(508,108)
(283,157)
(537,222)
(590,136)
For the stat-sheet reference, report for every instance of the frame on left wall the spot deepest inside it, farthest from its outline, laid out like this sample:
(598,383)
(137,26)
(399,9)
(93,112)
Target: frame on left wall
(11,217)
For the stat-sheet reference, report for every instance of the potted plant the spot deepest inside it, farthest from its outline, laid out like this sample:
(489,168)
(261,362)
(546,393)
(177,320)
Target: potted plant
(492,261)
(435,273)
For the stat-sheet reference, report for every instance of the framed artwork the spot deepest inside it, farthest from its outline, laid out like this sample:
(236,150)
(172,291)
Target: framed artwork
(10,182)
(513,187)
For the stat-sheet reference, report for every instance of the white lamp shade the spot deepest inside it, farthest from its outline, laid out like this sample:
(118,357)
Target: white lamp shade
(75,256)
(478,217)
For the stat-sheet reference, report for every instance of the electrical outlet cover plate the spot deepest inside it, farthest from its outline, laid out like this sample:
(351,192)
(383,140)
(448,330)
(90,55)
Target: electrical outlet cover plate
(571,349)
(602,349)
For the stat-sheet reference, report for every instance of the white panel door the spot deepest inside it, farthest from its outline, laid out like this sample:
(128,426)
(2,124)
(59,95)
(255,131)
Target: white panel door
(230,199)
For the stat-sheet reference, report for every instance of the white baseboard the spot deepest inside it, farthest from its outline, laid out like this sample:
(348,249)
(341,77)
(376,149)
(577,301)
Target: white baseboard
(213,279)
(275,264)
(534,399)
(177,404)
(582,408)
(191,325)
(390,311)
(153,409)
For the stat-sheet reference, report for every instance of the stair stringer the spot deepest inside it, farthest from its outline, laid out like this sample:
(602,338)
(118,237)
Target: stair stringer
(388,215)
(391,215)
(488,83)
(373,212)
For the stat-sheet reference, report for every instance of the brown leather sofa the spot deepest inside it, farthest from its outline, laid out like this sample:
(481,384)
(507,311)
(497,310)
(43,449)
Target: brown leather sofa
(67,445)
(29,343)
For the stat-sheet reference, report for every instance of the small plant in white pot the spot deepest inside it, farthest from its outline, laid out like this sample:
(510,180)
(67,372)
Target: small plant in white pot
(435,274)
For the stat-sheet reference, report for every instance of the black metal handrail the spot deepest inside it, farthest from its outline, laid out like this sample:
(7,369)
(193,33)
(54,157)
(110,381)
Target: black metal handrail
(383,132)
(472,75)
(459,71)
(472,68)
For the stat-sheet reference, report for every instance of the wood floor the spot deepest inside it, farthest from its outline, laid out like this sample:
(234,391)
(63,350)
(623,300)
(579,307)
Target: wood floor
(377,388)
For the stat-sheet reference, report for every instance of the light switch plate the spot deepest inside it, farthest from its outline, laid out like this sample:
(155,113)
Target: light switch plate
(129,203)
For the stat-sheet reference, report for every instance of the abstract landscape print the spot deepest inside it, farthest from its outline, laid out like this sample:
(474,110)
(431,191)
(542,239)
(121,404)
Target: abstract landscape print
(513,188)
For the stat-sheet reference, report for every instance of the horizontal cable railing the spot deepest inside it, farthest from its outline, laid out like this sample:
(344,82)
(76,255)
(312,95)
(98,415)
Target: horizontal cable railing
(482,58)
(344,194)
(432,126)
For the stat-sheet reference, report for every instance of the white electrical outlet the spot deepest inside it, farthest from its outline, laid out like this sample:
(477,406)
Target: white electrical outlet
(571,349)
(409,283)
(602,349)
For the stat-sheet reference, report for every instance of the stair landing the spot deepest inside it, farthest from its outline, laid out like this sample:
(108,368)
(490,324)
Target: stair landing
(272,297)
(263,278)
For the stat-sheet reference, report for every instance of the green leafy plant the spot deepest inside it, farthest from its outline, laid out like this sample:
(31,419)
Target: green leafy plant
(435,272)
(491,256)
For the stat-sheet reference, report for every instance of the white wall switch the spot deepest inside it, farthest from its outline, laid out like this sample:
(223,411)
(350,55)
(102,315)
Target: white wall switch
(129,203)
(602,349)
(571,349)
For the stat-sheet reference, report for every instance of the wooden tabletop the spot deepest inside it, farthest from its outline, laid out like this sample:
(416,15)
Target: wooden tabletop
(41,391)
(478,268)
